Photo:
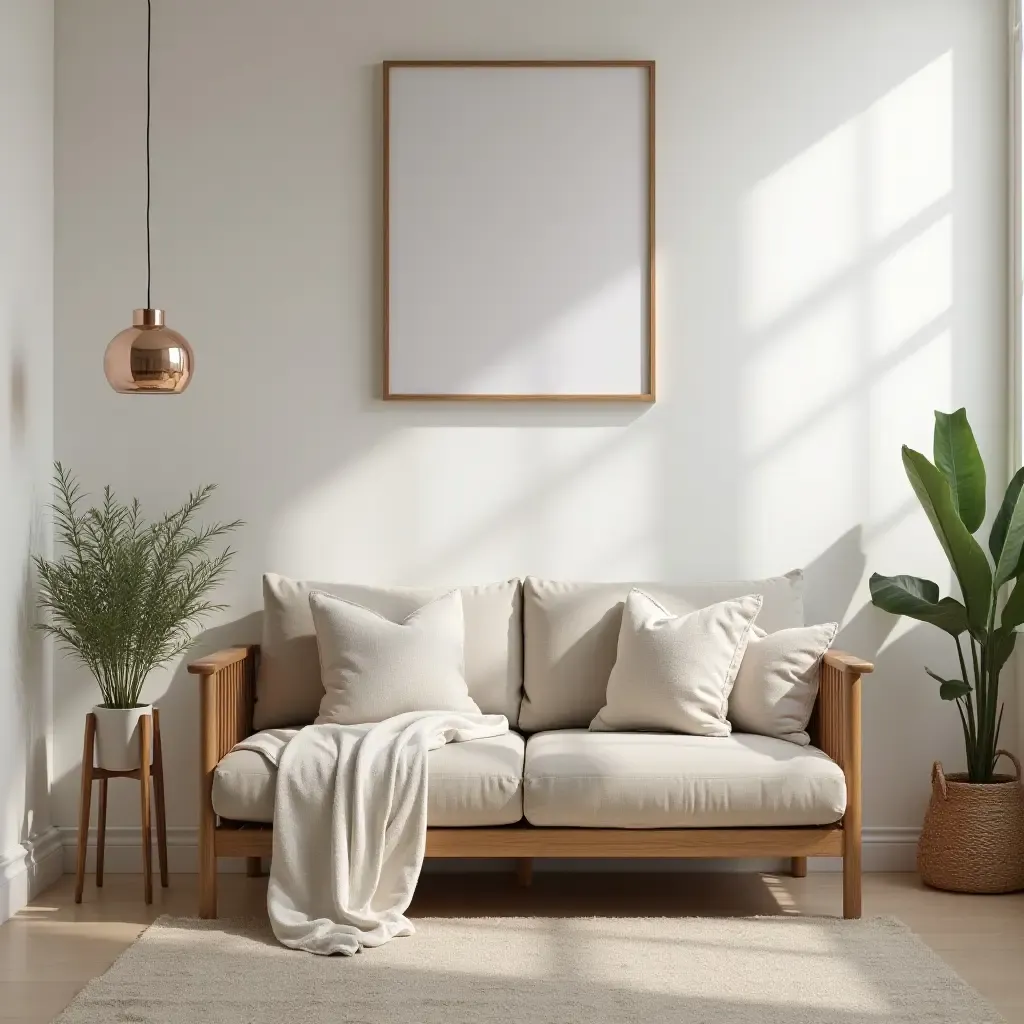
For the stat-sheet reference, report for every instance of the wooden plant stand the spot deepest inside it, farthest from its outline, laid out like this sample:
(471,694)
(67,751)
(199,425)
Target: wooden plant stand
(147,775)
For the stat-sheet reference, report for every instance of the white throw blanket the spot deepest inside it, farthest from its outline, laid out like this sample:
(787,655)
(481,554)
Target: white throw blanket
(350,825)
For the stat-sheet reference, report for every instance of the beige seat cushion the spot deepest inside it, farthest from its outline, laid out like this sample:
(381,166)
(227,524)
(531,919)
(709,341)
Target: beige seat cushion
(479,782)
(644,780)
(288,686)
(571,632)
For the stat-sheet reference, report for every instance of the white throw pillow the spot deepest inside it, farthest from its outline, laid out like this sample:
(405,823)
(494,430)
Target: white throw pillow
(777,683)
(373,668)
(673,673)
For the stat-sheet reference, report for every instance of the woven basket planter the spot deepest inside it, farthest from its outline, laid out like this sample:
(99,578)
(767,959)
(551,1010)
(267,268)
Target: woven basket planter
(973,834)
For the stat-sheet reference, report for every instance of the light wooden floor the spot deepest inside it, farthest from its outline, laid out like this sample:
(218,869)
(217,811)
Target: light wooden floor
(52,948)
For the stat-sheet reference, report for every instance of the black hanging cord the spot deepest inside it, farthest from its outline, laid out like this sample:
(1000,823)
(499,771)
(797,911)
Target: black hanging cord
(149,50)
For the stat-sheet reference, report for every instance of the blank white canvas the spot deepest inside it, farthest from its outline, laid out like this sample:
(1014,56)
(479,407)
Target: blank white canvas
(518,248)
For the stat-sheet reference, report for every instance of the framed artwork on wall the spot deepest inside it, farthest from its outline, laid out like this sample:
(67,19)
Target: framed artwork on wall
(519,230)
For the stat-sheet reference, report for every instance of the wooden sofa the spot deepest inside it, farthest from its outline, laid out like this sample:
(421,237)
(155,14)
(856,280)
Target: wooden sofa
(227,693)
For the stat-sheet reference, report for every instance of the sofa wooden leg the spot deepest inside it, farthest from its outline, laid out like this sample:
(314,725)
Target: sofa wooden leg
(852,883)
(208,890)
(209,754)
(254,867)
(852,869)
(524,870)
(852,820)
(799,867)
(83,807)
(207,871)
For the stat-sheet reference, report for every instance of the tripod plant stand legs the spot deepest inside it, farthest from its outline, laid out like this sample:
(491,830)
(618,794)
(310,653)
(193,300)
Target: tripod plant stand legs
(151,779)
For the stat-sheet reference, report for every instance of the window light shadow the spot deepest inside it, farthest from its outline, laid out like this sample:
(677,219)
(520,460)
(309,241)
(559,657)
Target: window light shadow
(848,278)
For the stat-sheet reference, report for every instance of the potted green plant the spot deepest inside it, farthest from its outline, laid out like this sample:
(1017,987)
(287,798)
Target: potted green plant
(126,598)
(973,835)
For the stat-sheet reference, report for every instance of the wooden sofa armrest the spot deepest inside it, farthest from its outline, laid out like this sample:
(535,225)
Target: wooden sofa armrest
(835,723)
(836,728)
(227,691)
(849,662)
(213,663)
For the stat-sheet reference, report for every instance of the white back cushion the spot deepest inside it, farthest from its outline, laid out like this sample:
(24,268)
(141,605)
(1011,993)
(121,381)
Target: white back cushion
(571,633)
(289,688)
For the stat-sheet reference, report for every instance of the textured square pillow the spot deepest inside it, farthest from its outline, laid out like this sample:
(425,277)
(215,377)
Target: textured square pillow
(373,668)
(673,673)
(777,683)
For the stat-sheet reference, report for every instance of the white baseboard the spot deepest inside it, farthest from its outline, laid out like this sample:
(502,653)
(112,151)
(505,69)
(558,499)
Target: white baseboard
(123,851)
(889,849)
(885,849)
(28,869)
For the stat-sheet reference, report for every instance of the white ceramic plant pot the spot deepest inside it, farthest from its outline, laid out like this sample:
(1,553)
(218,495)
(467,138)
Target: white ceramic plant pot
(118,737)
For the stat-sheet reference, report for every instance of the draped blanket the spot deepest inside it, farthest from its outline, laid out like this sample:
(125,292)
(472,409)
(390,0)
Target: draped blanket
(350,824)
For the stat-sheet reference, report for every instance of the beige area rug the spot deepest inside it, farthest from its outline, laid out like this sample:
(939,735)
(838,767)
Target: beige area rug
(774,970)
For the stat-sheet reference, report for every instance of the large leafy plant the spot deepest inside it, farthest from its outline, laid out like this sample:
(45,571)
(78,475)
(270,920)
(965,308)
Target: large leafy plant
(952,492)
(128,594)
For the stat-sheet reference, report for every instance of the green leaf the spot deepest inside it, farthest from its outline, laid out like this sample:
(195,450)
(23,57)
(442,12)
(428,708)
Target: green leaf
(954,689)
(1000,647)
(1010,521)
(918,599)
(997,535)
(1013,611)
(950,689)
(959,461)
(963,551)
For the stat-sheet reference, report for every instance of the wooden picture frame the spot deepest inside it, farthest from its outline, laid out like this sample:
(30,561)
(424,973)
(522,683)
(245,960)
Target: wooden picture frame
(603,329)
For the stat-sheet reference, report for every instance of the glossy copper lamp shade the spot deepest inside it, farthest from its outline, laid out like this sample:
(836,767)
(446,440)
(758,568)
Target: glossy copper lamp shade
(149,358)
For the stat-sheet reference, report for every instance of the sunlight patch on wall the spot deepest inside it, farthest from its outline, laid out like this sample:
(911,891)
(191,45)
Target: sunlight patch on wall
(502,500)
(847,296)
(901,403)
(800,228)
(801,496)
(787,383)
(438,505)
(910,147)
(608,498)
(912,288)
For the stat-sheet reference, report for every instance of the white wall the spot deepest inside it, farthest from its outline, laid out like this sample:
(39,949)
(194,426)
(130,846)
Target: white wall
(26,429)
(831,242)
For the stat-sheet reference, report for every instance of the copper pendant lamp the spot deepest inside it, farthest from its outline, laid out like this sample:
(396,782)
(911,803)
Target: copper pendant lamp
(148,358)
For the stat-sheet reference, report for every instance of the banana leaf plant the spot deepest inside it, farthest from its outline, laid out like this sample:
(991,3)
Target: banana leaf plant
(952,492)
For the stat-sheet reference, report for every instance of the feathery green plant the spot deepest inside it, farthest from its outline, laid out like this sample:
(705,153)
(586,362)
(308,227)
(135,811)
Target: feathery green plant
(128,594)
